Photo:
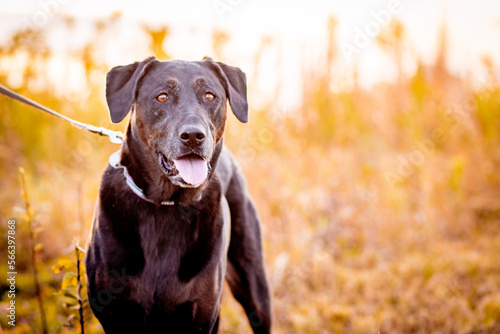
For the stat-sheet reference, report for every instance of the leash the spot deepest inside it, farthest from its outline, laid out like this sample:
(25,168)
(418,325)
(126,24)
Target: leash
(116,137)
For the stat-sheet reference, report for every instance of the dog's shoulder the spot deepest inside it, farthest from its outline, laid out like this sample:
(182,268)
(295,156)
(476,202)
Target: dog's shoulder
(226,168)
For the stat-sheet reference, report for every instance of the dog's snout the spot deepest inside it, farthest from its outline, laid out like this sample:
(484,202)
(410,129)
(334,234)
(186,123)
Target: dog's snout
(192,135)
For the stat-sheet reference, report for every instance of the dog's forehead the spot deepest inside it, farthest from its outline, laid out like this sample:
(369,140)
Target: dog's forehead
(184,72)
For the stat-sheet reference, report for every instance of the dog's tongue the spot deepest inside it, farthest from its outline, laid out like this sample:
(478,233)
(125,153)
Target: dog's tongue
(193,169)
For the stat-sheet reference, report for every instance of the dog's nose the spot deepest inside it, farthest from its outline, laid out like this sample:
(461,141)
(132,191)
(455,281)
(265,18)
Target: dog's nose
(192,135)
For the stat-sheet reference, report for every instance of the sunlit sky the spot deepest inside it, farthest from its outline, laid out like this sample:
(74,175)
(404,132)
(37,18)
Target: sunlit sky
(297,28)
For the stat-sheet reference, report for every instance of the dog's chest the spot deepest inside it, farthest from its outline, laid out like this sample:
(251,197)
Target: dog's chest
(163,237)
(167,241)
(162,242)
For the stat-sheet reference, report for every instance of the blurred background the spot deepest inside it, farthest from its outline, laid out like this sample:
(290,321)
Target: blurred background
(372,152)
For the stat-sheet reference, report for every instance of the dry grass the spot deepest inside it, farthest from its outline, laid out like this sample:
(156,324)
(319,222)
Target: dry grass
(380,207)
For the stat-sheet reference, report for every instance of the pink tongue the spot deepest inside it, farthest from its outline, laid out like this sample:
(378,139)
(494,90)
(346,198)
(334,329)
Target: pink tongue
(192,169)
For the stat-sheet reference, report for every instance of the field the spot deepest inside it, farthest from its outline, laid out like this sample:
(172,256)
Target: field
(380,206)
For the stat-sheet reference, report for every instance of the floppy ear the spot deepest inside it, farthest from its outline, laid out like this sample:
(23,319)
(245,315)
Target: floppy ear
(121,86)
(237,91)
(235,82)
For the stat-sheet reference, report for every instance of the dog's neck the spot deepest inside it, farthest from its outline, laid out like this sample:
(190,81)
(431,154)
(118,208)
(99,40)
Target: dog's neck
(147,174)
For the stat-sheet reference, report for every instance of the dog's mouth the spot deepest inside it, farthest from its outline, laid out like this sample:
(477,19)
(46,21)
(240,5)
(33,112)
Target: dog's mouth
(167,165)
(191,168)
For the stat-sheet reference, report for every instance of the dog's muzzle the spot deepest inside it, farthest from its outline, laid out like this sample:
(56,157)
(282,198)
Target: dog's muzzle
(188,171)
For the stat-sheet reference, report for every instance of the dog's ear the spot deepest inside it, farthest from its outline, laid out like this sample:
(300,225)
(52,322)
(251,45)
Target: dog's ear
(237,91)
(235,82)
(121,86)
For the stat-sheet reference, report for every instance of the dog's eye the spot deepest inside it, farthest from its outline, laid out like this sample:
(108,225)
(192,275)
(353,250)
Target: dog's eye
(209,97)
(162,97)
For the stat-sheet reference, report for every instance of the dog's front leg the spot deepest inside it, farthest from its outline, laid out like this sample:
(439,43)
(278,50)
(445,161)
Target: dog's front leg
(245,268)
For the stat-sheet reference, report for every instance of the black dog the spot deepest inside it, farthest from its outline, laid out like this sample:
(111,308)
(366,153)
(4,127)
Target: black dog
(160,245)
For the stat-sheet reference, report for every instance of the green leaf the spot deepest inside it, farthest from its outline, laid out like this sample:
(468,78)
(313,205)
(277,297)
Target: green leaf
(70,293)
(70,303)
(69,280)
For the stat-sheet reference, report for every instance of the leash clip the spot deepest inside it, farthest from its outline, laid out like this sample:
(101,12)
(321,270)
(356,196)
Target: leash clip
(116,137)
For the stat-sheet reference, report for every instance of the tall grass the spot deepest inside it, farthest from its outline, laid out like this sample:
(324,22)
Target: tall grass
(33,249)
(380,206)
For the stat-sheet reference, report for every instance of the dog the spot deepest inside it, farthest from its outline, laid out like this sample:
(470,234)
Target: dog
(174,217)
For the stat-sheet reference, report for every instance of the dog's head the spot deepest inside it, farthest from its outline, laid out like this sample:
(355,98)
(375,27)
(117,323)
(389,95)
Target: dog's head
(178,111)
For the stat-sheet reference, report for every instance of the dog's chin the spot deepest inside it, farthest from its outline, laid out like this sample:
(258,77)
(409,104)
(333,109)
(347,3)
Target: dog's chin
(179,181)
(194,167)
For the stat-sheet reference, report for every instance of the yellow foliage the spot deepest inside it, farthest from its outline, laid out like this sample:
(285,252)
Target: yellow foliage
(379,206)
